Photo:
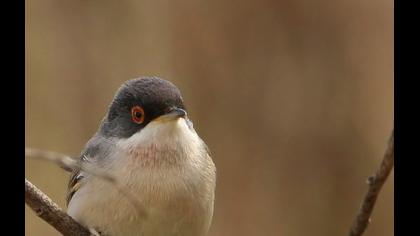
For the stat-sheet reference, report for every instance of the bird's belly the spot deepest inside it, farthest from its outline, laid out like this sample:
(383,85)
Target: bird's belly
(160,209)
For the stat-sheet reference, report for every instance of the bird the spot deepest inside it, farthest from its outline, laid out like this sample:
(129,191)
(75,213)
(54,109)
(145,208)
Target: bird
(148,144)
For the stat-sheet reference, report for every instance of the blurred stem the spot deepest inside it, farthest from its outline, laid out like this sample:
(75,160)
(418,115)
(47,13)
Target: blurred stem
(375,184)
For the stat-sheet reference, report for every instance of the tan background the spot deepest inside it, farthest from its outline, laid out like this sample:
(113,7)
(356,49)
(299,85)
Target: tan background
(294,98)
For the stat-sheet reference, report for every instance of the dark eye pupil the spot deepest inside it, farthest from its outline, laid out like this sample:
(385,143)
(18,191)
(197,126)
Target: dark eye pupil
(138,114)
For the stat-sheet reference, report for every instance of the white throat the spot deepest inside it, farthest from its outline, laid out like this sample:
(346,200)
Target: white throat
(161,144)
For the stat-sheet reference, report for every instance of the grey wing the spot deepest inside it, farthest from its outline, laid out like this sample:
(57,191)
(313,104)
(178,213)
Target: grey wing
(96,150)
(74,182)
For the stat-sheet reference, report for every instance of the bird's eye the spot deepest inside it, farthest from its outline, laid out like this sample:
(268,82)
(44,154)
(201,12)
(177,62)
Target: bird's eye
(137,114)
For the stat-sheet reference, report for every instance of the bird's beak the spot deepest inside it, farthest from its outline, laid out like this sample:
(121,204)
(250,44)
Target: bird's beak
(173,114)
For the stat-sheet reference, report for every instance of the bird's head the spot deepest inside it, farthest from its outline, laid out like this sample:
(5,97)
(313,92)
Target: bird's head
(142,102)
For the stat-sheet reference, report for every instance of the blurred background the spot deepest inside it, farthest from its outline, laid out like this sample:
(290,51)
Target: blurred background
(294,98)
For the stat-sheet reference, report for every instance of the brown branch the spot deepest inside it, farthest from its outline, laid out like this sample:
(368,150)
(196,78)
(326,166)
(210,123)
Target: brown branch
(375,184)
(45,208)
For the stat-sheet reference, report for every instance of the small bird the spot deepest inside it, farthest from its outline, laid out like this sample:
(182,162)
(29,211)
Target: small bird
(148,144)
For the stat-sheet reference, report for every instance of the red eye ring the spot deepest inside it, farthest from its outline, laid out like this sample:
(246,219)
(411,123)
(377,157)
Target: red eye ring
(137,114)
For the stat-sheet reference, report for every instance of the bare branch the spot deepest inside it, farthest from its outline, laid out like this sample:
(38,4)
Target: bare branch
(375,184)
(45,208)
(68,163)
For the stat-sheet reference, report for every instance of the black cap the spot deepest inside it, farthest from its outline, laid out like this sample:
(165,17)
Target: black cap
(154,95)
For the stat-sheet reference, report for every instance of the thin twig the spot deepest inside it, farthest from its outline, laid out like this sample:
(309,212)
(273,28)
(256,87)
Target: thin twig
(68,163)
(45,208)
(375,184)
